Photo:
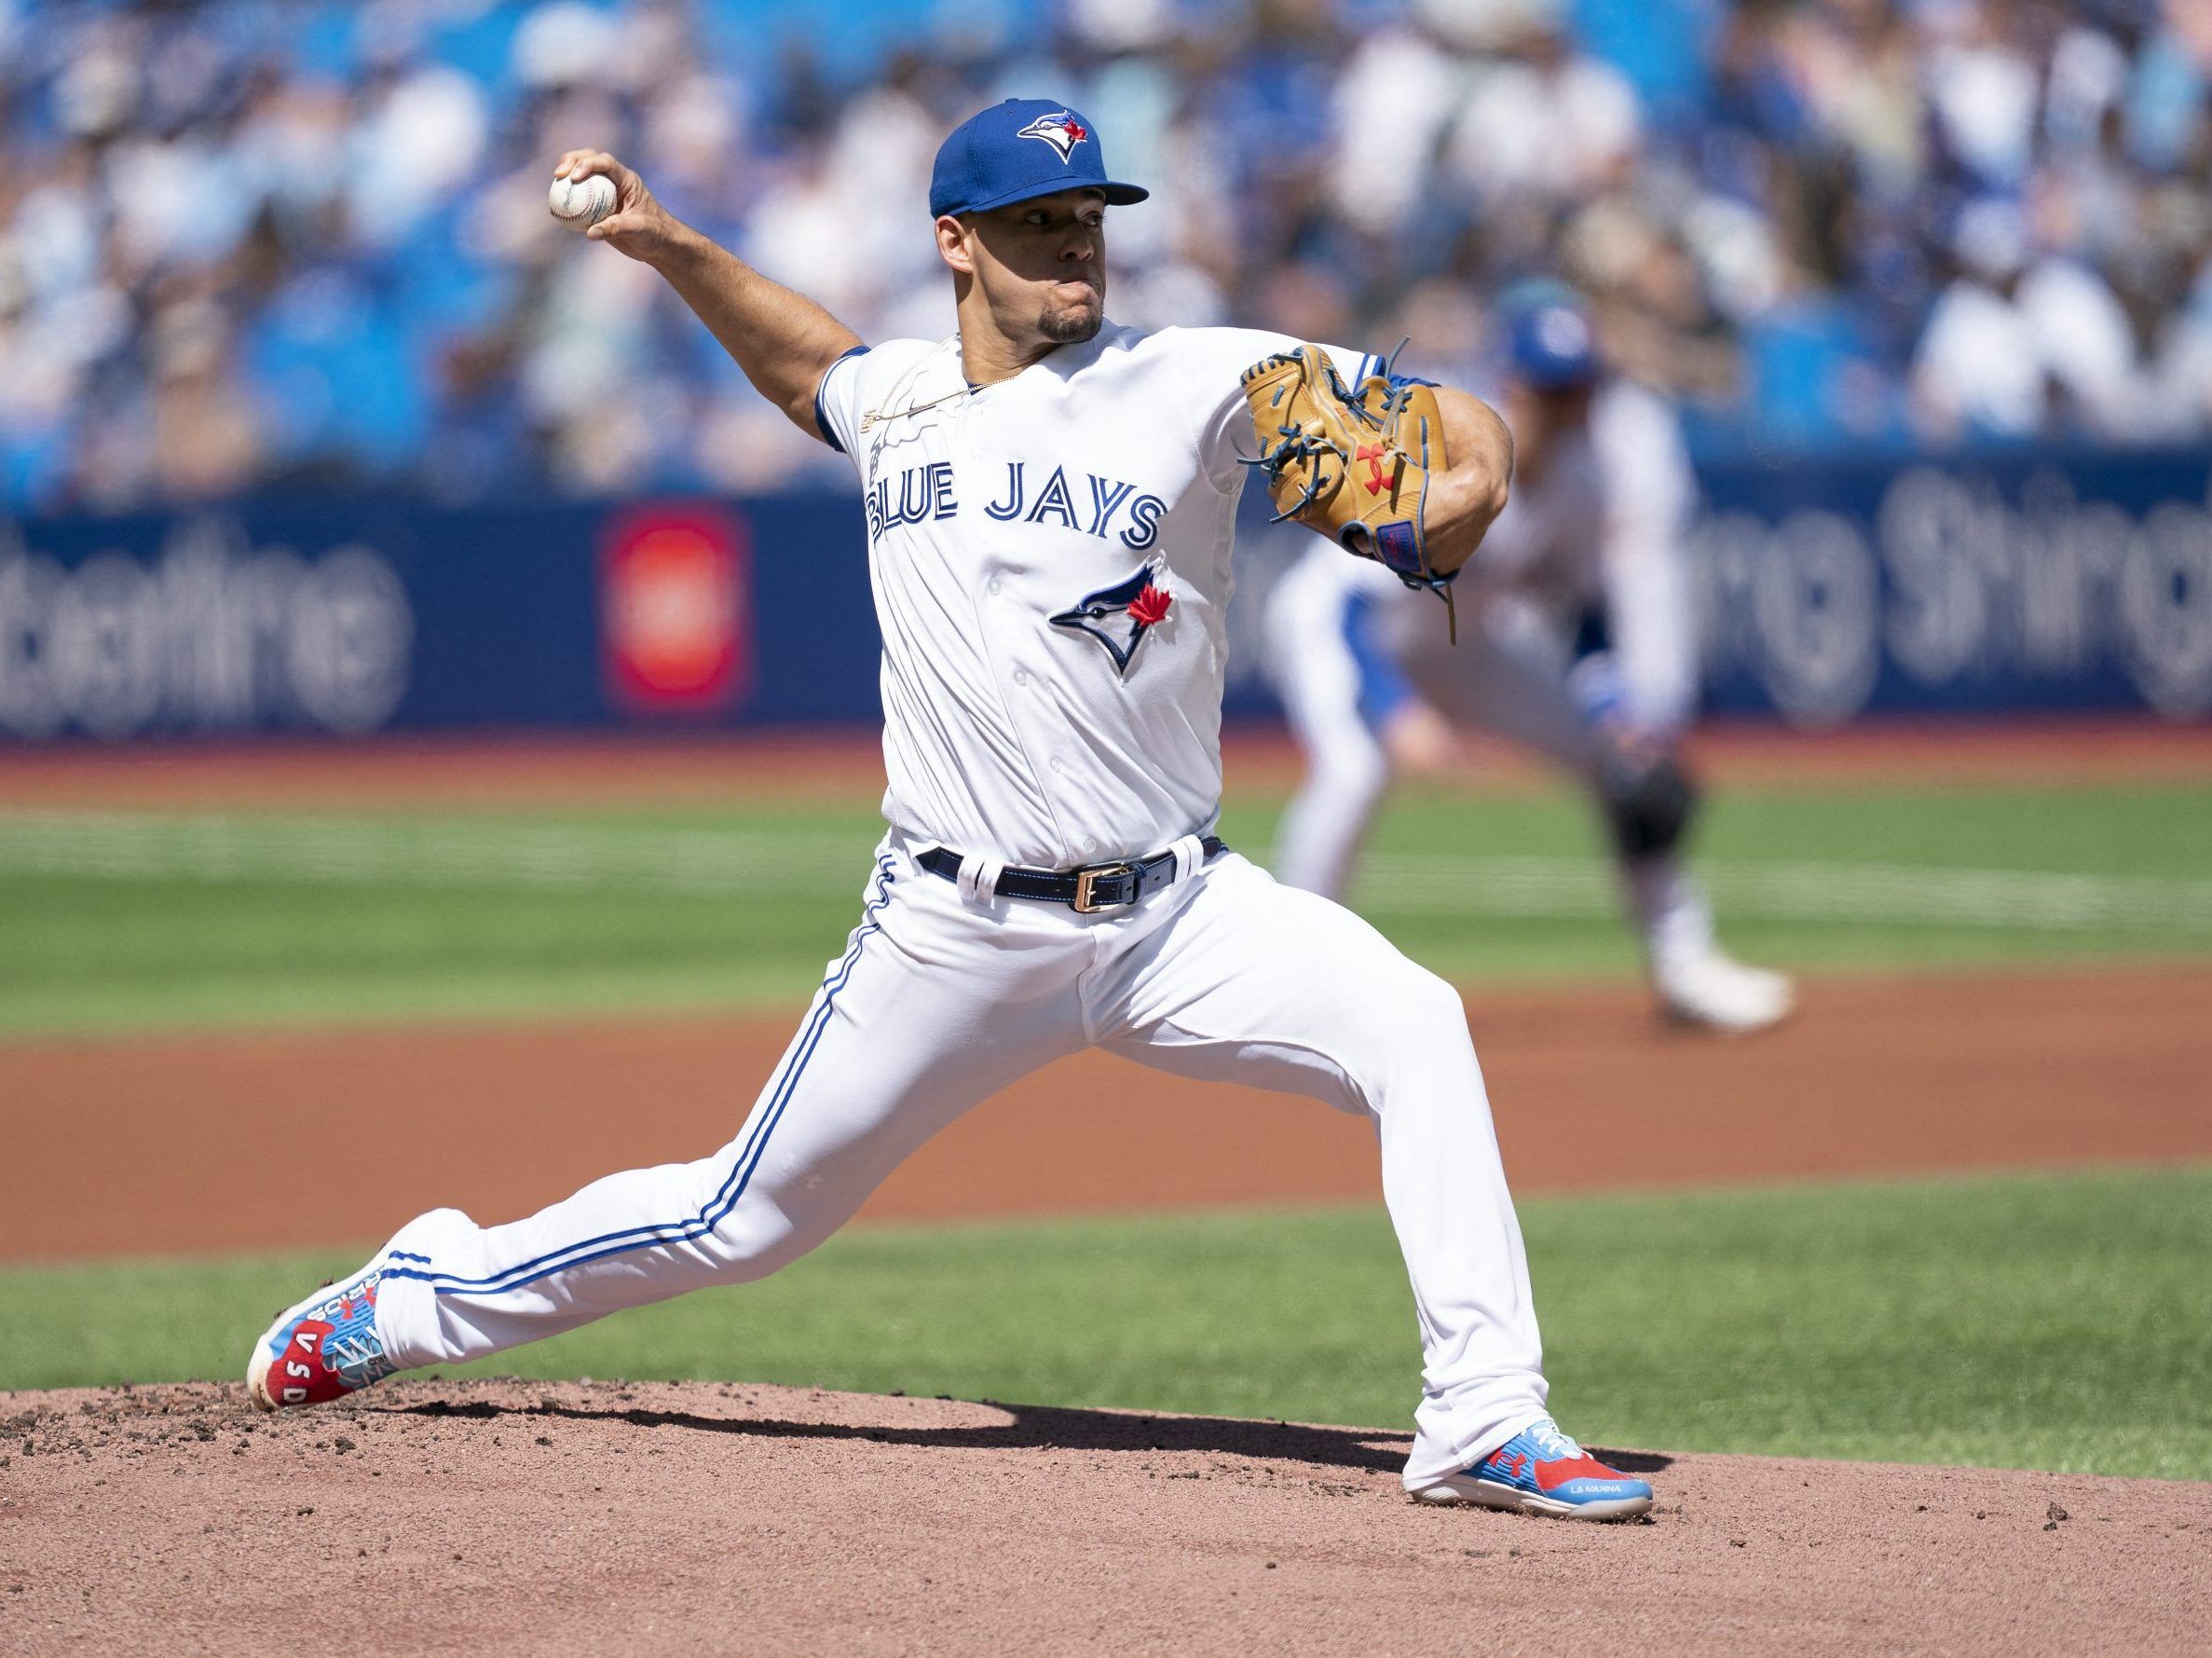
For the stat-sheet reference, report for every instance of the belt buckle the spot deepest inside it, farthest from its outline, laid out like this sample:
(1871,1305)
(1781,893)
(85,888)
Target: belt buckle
(1086,883)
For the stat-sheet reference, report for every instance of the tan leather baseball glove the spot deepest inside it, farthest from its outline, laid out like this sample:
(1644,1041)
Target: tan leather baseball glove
(1351,462)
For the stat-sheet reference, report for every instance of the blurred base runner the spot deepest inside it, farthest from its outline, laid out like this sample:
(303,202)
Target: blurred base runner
(1577,644)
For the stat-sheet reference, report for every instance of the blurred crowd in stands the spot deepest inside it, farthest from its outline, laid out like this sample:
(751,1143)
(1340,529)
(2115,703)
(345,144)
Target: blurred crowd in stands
(286,245)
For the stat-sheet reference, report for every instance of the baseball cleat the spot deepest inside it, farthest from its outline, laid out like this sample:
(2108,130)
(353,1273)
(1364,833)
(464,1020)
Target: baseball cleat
(1721,993)
(324,1348)
(1540,1471)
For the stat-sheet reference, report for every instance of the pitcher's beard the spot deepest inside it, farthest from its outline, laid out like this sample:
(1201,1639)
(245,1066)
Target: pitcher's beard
(1073,327)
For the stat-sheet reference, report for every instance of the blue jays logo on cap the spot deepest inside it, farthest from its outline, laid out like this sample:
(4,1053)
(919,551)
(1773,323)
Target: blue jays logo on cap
(1059,130)
(1015,150)
(1140,602)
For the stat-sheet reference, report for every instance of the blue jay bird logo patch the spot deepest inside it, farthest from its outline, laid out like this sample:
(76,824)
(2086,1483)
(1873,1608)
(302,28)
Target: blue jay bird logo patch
(1061,131)
(1119,616)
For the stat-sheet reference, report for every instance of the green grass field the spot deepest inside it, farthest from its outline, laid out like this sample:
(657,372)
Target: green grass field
(2058,1322)
(119,920)
(2063,1321)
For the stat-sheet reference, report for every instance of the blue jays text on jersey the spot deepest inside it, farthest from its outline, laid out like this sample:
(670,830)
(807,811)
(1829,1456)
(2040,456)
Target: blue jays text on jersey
(1103,507)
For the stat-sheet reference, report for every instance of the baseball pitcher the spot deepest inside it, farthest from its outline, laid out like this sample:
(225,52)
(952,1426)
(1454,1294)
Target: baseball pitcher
(1050,501)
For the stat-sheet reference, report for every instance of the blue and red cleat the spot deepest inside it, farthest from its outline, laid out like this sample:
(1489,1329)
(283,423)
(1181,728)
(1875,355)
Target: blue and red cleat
(1540,1471)
(324,1348)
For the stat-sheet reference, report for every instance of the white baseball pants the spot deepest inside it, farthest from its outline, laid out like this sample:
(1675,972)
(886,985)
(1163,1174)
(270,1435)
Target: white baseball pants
(944,997)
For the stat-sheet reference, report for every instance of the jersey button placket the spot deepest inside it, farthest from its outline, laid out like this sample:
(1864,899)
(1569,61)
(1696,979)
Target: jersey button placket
(966,474)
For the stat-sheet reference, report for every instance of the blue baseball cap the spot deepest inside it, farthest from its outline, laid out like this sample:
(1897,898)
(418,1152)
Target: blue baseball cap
(1548,341)
(1015,150)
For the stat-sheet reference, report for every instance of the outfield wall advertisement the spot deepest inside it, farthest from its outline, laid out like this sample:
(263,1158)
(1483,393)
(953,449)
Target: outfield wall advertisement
(344,620)
(2024,584)
(1829,592)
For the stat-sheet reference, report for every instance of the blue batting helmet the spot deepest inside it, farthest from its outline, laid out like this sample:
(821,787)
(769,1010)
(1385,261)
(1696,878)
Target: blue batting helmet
(1548,341)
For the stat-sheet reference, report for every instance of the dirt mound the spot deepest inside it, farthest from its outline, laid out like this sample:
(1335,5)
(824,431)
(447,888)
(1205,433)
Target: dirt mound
(439,1516)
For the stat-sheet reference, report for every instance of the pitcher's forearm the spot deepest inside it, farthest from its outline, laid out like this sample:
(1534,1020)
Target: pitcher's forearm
(1478,446)
(1467,497)
(782,340)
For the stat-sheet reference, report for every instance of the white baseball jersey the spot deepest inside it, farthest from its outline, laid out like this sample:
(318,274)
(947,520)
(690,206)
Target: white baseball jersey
(1050,558)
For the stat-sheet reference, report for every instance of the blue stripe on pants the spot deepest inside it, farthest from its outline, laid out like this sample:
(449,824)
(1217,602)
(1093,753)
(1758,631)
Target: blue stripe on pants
(733,1184)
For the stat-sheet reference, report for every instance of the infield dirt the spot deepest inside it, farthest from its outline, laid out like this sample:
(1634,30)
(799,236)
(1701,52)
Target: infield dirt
(1876,1076)
(498,1517)
(846,766)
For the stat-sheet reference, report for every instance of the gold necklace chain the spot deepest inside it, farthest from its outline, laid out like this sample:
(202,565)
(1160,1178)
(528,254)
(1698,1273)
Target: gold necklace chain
(877,416)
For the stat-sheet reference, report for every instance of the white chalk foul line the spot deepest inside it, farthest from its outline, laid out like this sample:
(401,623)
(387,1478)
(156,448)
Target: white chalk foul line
(712,862)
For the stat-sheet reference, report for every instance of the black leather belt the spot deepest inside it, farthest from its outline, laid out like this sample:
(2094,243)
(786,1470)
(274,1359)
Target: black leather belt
(1087,890)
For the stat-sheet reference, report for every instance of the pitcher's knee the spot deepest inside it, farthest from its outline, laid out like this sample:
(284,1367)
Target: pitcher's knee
(1430,1007)
(1436,1044)
(754,1241)
(1411,1021)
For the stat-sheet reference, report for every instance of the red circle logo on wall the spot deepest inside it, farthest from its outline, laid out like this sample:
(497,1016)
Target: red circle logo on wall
(676,610)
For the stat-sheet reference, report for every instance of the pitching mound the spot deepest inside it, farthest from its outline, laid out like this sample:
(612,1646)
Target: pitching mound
(481,1518)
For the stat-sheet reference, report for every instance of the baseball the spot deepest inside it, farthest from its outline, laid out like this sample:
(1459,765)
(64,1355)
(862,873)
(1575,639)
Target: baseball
(579,203)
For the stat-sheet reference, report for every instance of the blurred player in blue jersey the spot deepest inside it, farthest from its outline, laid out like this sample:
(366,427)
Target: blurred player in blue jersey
(1576,639)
